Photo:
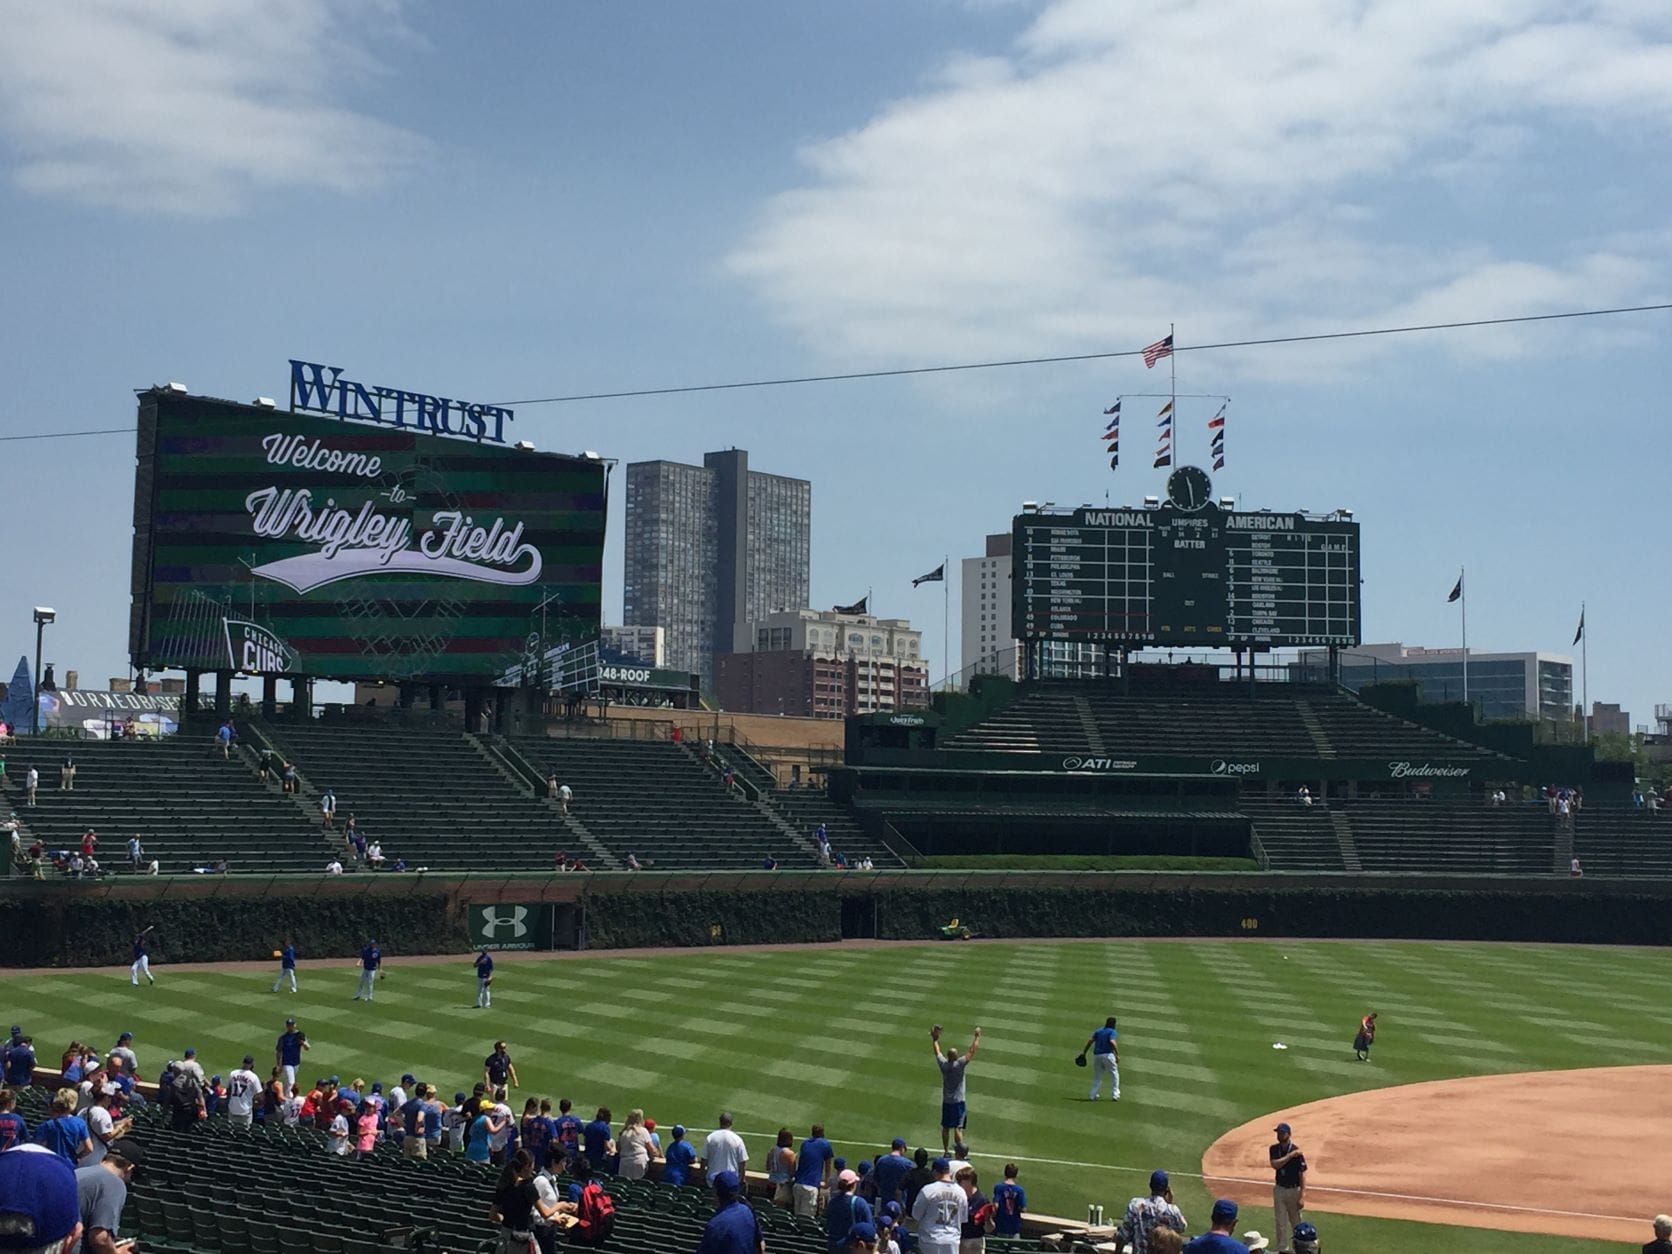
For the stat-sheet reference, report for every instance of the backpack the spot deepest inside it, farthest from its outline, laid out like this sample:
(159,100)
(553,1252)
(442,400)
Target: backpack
(596,1213)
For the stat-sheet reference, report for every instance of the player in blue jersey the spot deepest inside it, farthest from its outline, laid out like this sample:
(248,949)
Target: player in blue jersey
(371,966)
(287,966)
(484,979)
(1104,1047)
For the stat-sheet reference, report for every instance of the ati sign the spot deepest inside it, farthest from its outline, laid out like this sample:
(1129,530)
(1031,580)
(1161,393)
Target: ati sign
(502,926)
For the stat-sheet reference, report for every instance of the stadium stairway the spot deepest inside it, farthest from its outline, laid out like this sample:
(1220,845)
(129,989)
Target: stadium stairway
(806,808)
(188,805)
(656,801)
(431,797)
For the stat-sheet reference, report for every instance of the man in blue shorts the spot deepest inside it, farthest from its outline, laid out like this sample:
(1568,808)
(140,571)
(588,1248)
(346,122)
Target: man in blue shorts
(954,1112)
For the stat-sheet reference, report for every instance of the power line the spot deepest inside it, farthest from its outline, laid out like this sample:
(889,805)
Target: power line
(997,364)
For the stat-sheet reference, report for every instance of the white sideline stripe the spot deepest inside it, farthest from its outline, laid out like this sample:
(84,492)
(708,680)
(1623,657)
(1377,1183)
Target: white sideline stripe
(1310,1188)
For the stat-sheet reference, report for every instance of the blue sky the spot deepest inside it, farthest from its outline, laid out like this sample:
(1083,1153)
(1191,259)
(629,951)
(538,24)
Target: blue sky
(520,200)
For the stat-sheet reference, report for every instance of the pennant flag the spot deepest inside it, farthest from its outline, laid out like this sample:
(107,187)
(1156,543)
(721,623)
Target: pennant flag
(1163,459)
(1219,462)
(1456,592)
(1580,634)
(858,607)
(1164,412)
(1218,420)
(1156,351)
(1114,463)
(937,575)
(1115,410)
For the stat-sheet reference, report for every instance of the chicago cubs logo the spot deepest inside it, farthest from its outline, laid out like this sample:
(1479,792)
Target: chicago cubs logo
(495,920)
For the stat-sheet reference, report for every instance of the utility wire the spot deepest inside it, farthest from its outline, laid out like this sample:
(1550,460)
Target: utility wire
(996,365)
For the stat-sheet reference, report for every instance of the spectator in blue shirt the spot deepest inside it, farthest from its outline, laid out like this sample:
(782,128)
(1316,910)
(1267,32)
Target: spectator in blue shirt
(288,1053)
(845,1211)
(64,1132)
(889,1172)
(812,1171)
(435,1114)
(734,1228)
(14,1129)
(20,1063)
(566,1130)
(596,1142)
(681,1156)
(1009,1201)
(1220,1239)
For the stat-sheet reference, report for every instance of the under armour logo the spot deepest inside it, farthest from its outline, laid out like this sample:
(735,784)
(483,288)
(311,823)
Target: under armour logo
(493,919)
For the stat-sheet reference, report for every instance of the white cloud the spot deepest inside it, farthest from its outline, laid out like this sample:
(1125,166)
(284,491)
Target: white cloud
(192,106)
(1235,167)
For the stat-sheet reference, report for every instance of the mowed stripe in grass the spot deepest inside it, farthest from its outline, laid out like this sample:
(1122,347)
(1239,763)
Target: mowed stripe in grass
(841,1037)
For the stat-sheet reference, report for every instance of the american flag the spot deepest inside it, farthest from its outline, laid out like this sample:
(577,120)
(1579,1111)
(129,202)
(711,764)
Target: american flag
(1156,351)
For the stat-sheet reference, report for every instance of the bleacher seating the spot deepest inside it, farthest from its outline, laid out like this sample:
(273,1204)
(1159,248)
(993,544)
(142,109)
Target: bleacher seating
(806,808)
(657,801)
(429,797)
(272,1190)
(1294,837)
(1298,721)
(188,806)
(1424,835)
(1623,840)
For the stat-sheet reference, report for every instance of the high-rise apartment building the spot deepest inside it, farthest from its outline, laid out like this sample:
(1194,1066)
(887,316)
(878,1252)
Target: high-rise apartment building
(989,648)
(711,549)
(823,664)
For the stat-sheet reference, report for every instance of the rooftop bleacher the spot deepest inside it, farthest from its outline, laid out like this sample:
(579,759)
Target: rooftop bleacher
(188,805)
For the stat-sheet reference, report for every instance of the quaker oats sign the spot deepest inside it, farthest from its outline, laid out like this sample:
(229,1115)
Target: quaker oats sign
(355,547)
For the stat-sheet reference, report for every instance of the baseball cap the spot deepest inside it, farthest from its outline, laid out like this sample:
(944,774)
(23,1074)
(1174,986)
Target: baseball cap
(377,1086)
(1283,1127)
(126,1036)
(37,1193)
(679,1129)
(848,1177)
(899,1142)
(862,1233)
(249,1060)
(290,1023)
(336,1079)
(941,1165)
(840,1163)
(458,1097)
(1305,1231)
(864,1165)
(129,1149)
(406,1077)
(1224,1211)
(650,1125)
(1158,1182)
(726,1184)
(192,1052)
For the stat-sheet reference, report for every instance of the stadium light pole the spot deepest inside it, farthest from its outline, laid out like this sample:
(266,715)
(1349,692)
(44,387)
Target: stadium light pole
(43,616)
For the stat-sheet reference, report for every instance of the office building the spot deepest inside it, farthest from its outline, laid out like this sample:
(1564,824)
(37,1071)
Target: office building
(643,644)
(711,549)
(1607,716)
(987,644)
(1501,685)
(822,664)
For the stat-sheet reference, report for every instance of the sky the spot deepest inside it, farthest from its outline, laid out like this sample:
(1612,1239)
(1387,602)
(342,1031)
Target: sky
(532,199)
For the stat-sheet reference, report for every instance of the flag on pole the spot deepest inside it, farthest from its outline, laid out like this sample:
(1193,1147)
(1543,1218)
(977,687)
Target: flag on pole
(1456,592)
(937,575)
(1156,351)
(1580,634)
(1165,414)
(858,607)
(1115,410)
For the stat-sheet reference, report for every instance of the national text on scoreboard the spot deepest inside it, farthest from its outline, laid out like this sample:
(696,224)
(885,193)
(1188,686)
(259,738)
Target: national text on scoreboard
(1208,577)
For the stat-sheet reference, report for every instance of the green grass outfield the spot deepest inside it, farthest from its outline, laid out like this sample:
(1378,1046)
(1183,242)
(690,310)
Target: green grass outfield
(840,1035)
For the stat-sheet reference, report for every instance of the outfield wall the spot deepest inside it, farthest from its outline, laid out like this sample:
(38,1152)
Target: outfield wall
(209,919)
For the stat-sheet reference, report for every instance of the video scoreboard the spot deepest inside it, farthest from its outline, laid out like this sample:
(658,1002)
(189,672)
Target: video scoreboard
(1186,572)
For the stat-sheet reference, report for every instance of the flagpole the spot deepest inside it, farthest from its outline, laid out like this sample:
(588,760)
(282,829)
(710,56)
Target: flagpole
(946,620)
(1173,400)
(1585,675)
(1464,604)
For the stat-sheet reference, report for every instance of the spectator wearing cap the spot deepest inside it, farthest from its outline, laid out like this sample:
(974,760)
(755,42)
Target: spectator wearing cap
(1145,1214)
(887,1243)
(1288,1194)
(680,1159)
(14,1128)
(733,1229)
(1662,1244)
(1219,1239)
(287,1054)
(862,1238)
(102,1191)
(39,1210)
(20,1062)
(889,1172)
(941,1210)
(103,1127)
(192,1067)
(124,1049)
(1306,1238)
(845,1209)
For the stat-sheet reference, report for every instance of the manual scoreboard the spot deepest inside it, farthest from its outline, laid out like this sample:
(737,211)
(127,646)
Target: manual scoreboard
(1186,572)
